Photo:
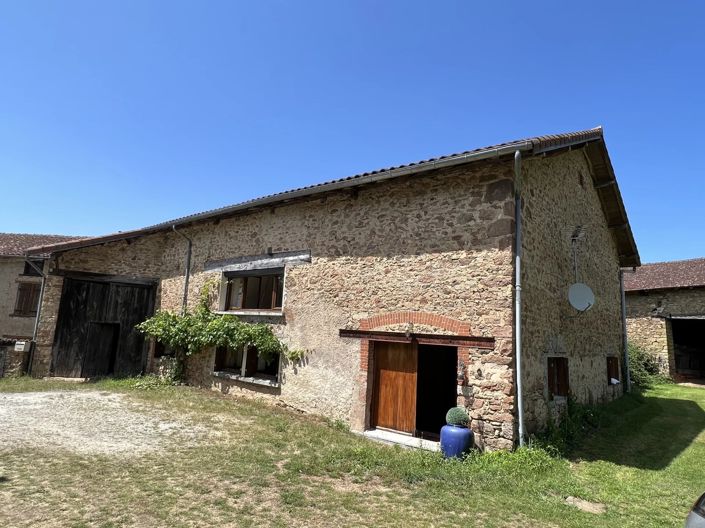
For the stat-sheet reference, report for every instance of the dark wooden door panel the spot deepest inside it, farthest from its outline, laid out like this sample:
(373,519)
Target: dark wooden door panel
(81,302)
(95,331)
(395,386)
(100,351)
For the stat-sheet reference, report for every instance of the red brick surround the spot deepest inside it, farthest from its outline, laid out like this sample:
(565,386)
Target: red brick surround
(439,321)
(450,325)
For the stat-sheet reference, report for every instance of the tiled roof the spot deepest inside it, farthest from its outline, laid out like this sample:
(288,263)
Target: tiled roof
(664,275)
(599,159)
(15,244)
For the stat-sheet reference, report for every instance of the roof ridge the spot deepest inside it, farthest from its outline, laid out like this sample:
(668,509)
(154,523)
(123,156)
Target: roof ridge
(42,235)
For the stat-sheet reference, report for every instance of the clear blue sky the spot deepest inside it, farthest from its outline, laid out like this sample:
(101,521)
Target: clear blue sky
(117,115)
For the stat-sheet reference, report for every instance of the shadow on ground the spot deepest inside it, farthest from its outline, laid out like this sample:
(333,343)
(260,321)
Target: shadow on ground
(645,432)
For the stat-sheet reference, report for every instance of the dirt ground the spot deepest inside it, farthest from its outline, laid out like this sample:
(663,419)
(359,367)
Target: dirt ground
(87,422)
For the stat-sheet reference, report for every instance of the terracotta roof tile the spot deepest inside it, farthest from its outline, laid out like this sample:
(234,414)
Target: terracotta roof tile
(664,275)
(15,244)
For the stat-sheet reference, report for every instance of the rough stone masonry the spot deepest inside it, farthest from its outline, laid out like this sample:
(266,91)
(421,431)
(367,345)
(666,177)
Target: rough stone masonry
(433,250)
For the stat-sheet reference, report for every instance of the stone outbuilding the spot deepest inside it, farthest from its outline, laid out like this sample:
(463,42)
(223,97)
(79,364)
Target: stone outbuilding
(20,287)
(666,315)
(399,285)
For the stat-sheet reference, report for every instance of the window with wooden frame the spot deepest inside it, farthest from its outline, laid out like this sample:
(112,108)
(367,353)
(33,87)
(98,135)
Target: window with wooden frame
(246,362)
(255,290)
(612,370)
(558,377)
(27,299)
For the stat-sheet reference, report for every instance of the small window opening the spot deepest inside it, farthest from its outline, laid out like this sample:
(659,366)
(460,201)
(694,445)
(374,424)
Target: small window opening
(29,269)
(262,291)
(161,350)
(558,377)
(246,362)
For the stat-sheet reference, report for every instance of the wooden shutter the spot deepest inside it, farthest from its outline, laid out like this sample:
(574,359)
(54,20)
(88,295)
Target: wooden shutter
(558,376)
(27,298)
(612,369)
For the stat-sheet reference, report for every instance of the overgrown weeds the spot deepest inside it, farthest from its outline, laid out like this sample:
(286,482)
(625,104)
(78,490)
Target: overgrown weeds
(644,369)
(569,429)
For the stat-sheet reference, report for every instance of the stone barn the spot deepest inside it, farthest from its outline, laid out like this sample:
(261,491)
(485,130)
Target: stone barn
(20,288)
(405,286)
(666,315)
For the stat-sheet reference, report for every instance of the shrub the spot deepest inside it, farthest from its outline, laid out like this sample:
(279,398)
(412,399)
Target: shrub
(457,416)
(643,367)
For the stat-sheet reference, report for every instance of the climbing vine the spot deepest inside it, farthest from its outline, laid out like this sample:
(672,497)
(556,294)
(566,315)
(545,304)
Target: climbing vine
(196,331)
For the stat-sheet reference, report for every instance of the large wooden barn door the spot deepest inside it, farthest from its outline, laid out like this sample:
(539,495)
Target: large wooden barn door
(395,386)
(95,331)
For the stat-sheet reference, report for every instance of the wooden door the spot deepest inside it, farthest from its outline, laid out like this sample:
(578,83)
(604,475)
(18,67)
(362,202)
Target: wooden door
(395,386)
(95,331)
(101,348)
(81,302)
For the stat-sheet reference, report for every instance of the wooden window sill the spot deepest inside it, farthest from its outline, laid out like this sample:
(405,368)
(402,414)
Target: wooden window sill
(258,313)
(253,380)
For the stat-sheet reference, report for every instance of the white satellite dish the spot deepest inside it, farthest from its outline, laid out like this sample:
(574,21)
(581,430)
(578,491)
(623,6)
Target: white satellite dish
(581,297)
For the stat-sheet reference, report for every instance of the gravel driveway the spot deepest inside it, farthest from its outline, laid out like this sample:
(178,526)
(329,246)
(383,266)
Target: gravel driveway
(87,422)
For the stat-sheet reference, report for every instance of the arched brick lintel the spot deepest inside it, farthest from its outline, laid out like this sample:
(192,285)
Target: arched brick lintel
(422,318)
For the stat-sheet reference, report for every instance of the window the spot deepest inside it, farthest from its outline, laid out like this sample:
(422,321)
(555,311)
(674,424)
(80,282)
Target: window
(246,362)
(612,370)
(255,291)
(30,271)
(27,299)
(558,377)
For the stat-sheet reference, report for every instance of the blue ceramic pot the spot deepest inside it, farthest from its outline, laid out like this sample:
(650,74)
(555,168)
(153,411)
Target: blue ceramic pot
(456,440)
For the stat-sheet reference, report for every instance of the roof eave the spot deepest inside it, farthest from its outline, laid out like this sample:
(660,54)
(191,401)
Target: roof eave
(593,138)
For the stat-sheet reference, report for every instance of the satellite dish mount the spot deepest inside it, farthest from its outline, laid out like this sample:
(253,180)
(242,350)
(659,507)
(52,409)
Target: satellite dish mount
(580,295)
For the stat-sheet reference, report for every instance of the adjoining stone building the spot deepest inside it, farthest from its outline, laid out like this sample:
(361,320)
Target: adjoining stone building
(20,285)
(399,284)
(666,315)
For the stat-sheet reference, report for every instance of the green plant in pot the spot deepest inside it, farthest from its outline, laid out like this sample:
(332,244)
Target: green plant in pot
(456,436)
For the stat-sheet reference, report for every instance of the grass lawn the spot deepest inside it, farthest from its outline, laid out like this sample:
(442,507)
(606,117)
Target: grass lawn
(273,467)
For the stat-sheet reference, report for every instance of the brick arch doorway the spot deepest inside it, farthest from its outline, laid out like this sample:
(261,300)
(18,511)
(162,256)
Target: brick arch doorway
(413,387)
(408,381)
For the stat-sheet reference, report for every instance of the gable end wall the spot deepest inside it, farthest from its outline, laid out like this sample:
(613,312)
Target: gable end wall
(554,203)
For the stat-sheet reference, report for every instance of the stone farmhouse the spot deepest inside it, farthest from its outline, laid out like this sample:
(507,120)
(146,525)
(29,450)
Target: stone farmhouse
(20,285)
(400,284)
(666,315)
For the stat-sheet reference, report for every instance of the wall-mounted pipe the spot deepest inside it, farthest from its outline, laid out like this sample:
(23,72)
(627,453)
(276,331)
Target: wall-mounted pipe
(625,348)
(517,292)
(184,304)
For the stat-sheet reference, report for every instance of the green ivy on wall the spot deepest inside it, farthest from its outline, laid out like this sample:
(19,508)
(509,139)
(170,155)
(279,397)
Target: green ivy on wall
(194,332)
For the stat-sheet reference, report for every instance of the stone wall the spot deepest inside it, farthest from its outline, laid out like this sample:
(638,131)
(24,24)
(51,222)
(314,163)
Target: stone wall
(46,328)
(438,243)
(647,323)
(558,196)
(12,362)
(11,325)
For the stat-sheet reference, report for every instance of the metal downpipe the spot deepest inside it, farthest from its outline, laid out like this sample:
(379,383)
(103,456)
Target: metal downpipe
(625,349)
(184,304)
(517,293)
